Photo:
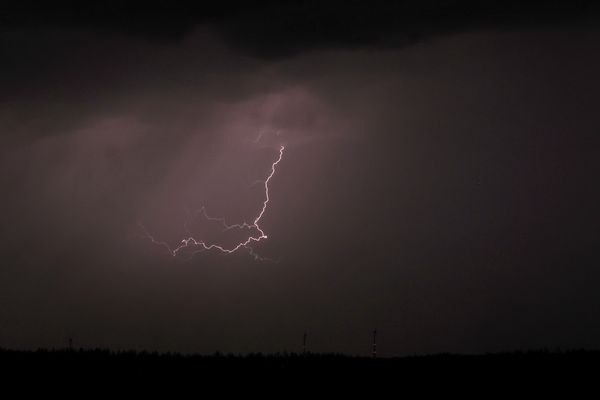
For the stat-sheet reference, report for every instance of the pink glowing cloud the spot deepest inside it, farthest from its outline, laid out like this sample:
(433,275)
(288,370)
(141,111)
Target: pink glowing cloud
(201,245)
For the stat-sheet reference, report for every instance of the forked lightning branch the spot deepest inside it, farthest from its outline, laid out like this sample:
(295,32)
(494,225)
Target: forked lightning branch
(257,234)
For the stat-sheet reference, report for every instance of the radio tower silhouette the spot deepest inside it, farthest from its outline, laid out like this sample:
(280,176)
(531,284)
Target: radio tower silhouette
(375,343)
(304,342)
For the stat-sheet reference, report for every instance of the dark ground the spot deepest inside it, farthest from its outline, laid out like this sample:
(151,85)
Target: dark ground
(543,370)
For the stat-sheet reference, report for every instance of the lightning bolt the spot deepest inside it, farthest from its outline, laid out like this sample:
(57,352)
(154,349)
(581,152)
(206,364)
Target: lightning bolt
(201,245)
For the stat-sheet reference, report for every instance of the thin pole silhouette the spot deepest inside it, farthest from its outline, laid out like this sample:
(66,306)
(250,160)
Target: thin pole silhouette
(304,342)
(375,343)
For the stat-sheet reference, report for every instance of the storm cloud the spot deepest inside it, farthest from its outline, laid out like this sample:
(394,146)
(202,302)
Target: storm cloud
(442,191)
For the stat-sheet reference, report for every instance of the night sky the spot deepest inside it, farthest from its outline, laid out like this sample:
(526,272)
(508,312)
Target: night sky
(439,181)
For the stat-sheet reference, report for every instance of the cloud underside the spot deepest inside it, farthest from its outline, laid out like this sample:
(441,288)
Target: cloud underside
(274,30)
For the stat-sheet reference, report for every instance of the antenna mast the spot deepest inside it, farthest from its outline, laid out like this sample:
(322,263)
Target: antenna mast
(375,343)
(304,342)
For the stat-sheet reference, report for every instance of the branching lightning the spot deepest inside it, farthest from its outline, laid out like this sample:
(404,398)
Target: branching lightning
(198,245)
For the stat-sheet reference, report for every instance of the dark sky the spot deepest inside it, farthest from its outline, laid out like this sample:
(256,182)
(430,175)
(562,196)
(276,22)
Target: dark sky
(439,179)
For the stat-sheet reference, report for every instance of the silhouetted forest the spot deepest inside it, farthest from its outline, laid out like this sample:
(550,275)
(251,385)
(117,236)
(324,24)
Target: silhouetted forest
(104,366)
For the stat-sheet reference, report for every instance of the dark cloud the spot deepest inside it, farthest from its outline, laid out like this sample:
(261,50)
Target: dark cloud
(442,192)
(275,29)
